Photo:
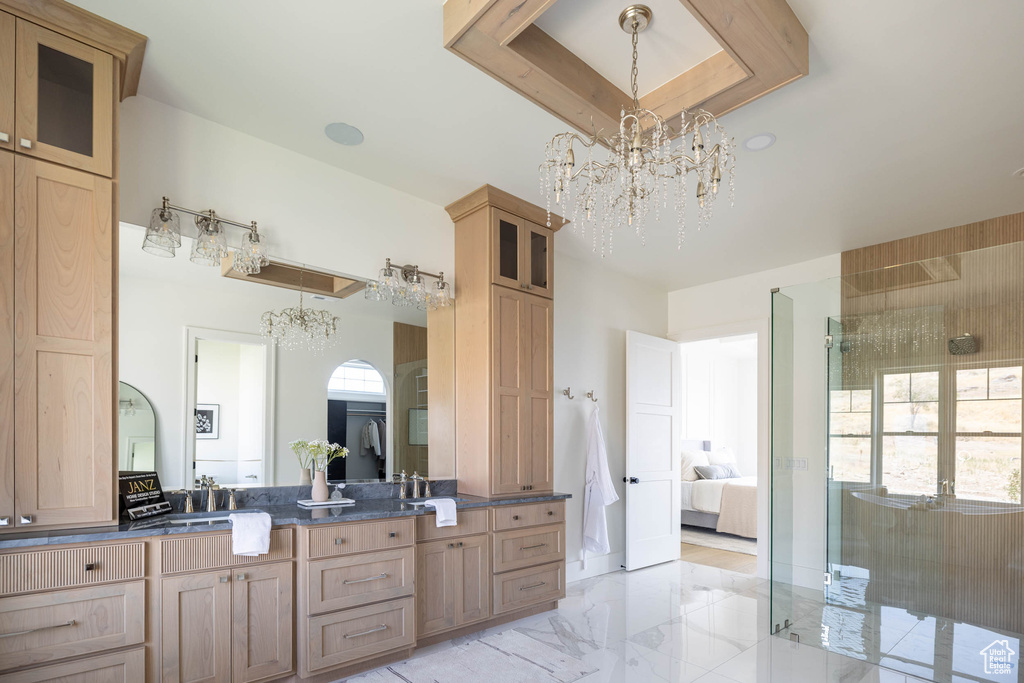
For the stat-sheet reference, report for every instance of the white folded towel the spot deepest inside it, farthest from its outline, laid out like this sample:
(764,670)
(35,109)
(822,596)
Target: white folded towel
(250,533)
(445,511)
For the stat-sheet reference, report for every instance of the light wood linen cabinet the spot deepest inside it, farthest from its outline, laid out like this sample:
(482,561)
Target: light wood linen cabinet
(62,72)
(503,344)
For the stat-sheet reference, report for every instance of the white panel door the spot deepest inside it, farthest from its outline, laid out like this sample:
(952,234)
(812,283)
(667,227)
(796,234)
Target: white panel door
(653,433)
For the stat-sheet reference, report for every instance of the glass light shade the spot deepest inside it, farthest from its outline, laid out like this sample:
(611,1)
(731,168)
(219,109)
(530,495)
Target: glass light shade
(164,227)
(390,281)
(442,295)
(157,247)
(374,291)
(251,255)
(210,246)
(400,297)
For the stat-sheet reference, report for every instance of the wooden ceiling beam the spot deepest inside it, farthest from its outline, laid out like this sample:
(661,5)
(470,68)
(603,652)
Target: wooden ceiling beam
(764,47)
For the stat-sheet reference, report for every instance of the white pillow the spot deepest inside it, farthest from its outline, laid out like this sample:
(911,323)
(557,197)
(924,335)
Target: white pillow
(722,456)
(691,459)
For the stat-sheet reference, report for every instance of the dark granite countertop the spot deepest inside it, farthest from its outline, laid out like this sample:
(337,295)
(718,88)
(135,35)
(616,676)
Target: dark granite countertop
(282,515)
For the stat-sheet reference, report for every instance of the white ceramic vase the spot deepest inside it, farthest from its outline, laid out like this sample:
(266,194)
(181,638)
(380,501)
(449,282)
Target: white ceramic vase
(320,491)
(304,478)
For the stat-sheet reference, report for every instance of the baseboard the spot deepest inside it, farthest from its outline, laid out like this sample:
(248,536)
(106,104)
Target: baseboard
(596,566)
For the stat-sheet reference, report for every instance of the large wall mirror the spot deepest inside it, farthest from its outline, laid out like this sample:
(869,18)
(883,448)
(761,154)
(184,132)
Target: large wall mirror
(227,403)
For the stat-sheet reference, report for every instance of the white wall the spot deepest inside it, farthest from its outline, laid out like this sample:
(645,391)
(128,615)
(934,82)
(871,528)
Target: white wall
(593,309)
(312,212)
(743,305)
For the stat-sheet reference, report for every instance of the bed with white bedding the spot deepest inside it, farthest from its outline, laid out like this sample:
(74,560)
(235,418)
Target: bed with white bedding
(726,505)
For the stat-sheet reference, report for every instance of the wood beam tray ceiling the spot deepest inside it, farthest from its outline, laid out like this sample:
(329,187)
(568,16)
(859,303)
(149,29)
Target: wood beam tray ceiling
(294,277)
(764,47)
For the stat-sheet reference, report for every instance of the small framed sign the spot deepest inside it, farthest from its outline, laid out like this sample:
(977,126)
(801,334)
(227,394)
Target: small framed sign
(141,495)
(207,421)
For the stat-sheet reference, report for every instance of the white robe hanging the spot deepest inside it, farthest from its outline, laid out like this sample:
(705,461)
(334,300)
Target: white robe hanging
(598,492)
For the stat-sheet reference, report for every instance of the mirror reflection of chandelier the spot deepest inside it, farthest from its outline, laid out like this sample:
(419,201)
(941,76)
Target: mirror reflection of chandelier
(311,329)
(640,169)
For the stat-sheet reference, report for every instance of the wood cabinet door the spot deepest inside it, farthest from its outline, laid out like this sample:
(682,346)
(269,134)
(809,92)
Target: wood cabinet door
(539,248)
(8,51)
(64,100)
(508,470)
(508,256)
(63,377)
(195,628)
(435,587)
(472,579)
(538,369)
(262,622)
(6,335)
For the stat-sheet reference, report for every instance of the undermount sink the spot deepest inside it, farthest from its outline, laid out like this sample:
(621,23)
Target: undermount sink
(203,517)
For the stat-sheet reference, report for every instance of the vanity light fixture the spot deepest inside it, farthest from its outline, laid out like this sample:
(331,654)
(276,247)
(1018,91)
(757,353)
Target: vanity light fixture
(163,236)
(404,286)
(127,407)
(640,169)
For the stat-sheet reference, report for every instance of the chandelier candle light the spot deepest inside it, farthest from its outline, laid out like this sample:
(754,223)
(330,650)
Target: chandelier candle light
(404,286)
(640,165)
(296,328)
(163,236)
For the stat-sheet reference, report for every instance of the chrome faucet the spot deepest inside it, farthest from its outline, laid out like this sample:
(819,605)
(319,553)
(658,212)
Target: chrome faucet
(401,483)
(415,487)
(211,495)
(946,487)
(426,488)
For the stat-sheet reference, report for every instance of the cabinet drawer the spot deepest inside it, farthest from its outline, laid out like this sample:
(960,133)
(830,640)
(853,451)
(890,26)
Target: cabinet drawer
(531,514)
(354,634)
(48,626)
(528,547)
(342,582)
(469,522)
(120,667)
(213,551)
(48,569)
(529,587)
(331,541)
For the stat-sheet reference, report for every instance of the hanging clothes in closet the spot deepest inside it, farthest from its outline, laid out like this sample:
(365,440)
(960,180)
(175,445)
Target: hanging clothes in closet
(371,438)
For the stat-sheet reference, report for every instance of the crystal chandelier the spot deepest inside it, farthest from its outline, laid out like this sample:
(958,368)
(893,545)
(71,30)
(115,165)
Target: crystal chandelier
(405,287)
(300,328)
(635,177)
(210,246)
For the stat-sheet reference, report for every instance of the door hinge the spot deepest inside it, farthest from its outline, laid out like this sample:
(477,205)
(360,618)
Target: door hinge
(197,357)
(829,342)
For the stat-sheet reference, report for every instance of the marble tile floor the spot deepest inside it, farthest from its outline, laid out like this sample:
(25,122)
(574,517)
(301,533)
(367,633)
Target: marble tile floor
(677,622)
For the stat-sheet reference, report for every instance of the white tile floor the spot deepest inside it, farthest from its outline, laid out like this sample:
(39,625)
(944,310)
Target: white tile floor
(675,622)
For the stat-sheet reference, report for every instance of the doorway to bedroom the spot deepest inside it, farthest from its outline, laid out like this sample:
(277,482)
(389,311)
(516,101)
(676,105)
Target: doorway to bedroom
(719,455)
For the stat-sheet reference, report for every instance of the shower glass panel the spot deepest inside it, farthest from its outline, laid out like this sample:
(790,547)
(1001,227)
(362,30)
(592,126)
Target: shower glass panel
(897,419)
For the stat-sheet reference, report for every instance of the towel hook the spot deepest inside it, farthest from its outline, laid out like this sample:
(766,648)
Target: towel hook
(568,393)
(590,395)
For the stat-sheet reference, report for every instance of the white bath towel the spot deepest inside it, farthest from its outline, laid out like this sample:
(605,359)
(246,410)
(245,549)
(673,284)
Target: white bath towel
(598,492)
(250,533)
(445,511)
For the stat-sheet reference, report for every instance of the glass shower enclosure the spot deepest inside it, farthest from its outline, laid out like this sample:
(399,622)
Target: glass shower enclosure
(897,524)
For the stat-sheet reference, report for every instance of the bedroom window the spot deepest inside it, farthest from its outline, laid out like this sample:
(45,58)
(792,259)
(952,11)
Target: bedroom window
(850,435)
(910,432)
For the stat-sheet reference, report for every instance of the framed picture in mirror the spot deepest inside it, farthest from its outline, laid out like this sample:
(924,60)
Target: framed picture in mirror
(207,421)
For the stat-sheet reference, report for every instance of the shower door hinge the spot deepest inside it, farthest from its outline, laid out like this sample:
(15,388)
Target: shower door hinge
(828,341)
(828,578)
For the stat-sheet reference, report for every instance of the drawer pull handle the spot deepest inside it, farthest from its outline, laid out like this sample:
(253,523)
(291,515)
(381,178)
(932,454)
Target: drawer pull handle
(551,513)
(339,541)
(369,578)
(392,534)
(240,577)
(382,627)
(34,630)
(89,566)
(536,585)
(4,137)
(26,143)
(515,517)
(531,547)
(5,521)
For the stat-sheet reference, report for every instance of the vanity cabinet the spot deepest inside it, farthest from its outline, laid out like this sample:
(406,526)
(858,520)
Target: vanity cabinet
(504,395)
(454,583)
(62,73)
(229,625)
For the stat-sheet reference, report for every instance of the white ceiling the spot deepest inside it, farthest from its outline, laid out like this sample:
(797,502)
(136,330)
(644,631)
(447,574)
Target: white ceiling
(909,121)
(672,43)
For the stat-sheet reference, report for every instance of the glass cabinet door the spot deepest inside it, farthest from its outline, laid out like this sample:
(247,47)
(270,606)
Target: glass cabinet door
(540,251)
(65,93)
(7,62)
(508,258)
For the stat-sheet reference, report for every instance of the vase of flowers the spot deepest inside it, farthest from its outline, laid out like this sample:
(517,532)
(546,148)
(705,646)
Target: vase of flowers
(318,455)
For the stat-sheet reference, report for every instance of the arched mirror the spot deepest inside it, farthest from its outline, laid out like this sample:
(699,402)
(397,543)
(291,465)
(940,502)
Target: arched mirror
(357,418)
(136,431)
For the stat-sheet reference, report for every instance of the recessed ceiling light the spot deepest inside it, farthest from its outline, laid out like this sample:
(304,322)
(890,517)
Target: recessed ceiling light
(1019,173)
(344,134)
(758,142)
